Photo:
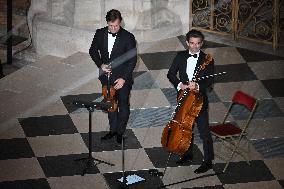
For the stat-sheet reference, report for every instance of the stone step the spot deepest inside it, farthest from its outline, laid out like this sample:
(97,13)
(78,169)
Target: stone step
(28,54)
(78,59)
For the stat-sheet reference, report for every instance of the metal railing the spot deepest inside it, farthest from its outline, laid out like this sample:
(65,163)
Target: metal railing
(256,20)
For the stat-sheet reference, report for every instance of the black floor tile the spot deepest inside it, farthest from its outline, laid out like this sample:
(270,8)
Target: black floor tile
(254,56)
(15,148)
(234,73)
(48,125)
(159,156)
(274,87)
(270,148)
(281,182)
(26,184)
(150,117)
(144,81)
(65,165)
(171,95)
(131,142)
(266,108)
(159,60)
(150,181)
(68,100)
(241,172)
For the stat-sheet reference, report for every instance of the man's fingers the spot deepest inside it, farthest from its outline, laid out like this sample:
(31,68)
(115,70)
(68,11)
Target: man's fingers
(117,87)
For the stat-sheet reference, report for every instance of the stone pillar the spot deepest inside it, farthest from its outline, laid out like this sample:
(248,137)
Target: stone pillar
(161,21)
(67,26)
(37,7)
(62,12)
(88,14)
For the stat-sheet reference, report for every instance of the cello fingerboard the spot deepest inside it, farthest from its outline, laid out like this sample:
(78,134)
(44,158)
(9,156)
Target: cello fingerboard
(209,76)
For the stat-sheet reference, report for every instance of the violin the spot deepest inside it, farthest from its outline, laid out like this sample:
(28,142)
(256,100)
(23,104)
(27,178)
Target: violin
(108,92)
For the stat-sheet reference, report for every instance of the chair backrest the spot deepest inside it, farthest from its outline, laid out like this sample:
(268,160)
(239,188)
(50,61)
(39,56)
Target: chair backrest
(244,99)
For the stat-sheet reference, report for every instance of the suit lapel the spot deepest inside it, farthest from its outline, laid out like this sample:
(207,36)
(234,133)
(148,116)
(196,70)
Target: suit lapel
(116,43)
(106,42)
(184,66)
(199,61)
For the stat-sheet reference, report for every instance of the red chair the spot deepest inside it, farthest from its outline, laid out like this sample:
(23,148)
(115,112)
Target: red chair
(231,135)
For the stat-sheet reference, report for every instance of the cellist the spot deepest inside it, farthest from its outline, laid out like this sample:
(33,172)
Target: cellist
(186,64)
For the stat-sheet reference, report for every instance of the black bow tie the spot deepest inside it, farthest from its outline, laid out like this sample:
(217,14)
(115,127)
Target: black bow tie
(193,55)
(113,34)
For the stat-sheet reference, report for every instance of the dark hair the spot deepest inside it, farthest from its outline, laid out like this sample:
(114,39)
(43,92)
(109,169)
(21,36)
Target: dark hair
(112,15)
(194,33)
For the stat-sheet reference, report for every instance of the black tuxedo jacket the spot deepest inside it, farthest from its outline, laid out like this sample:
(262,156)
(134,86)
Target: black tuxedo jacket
(123,56)
(179,65)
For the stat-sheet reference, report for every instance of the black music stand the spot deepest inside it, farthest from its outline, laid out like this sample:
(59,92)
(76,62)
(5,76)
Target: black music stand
(91,106)
(123,184)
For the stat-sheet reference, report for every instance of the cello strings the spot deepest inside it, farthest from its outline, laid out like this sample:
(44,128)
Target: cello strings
(212,75)
(166,167)
(147,130)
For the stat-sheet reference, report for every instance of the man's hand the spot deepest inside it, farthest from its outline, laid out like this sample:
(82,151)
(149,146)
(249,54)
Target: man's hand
(106,68)
(119,83)
(192,85)
(183,87)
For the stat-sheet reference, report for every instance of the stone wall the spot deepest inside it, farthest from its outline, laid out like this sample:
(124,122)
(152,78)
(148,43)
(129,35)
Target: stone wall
(65,26)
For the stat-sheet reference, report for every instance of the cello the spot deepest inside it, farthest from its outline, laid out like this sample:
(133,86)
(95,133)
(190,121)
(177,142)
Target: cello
(177,134)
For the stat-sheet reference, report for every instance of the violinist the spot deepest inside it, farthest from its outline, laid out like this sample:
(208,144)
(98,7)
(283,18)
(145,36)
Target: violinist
(186,63)
(110,43)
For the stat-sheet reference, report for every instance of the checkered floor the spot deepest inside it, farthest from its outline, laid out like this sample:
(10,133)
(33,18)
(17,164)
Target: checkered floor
(43,148)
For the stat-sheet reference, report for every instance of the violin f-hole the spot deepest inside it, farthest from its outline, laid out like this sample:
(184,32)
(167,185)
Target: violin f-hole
(168,136)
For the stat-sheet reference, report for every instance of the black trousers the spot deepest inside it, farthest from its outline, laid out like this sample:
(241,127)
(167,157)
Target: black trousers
(202,122)
(118,119)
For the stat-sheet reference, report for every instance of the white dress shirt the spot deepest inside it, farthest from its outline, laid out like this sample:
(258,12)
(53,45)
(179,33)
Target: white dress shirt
(110,41)
(190,67)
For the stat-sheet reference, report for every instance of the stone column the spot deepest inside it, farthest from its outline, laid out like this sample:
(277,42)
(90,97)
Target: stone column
(88,14)
(62,12)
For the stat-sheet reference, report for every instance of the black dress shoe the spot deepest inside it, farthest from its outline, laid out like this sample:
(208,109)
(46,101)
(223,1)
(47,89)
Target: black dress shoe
(119,139)
(204,167)
(184,160)
(108,136)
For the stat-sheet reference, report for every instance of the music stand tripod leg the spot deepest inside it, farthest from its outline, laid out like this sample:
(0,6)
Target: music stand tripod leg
(123,184)
(90,159)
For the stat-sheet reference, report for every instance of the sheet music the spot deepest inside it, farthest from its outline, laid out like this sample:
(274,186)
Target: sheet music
(131,179)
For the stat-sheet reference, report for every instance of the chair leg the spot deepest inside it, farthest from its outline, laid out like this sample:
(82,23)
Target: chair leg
(228,161)
(234,148)
(242,152)
(239,151)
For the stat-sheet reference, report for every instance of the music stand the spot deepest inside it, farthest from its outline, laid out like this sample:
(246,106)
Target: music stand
(91,106)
